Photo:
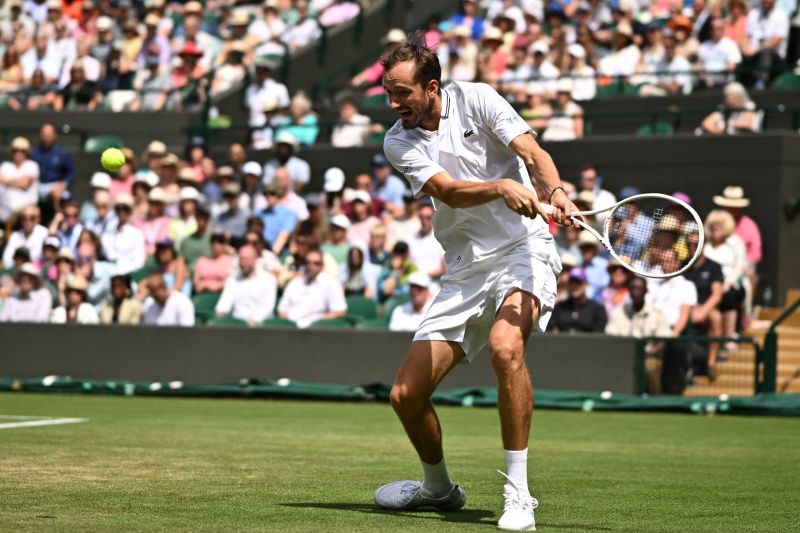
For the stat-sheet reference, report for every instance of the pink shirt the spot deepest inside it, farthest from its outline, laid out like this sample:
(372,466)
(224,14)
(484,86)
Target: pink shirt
(119,186)
(154,230)
(748,231)
(210,269)
(374,73)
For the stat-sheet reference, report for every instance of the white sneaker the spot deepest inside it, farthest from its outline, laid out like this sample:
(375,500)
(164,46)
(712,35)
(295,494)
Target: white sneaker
(518,509)
(408,495)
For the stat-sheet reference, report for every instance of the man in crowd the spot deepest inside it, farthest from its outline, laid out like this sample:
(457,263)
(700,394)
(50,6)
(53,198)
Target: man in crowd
(66,225)
(165,306)
(675,296)
(282,183)
(56,167)
(426,252)
(578,313)
(198,244)
(363,221)
(312,296)
(767,40)
(31,302)
(286,146)
(592,181)
(125,246)
(636,318)
(232,221)
(594,265)
(352,128)
(103,221)
(407,317)
(249,295)
(31,235)
(279,220)
(387,186)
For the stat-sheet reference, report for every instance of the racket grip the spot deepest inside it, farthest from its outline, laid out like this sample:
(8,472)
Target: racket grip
(548,208)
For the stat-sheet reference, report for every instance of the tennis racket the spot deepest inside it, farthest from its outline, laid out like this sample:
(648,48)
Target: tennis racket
(652,235)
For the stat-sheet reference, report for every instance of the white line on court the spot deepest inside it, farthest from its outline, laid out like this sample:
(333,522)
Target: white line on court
(41,422)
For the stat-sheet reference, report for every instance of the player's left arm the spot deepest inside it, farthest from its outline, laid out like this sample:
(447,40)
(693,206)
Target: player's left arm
(544,171)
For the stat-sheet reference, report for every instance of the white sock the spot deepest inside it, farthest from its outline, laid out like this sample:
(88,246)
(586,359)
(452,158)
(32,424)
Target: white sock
(435,478)
(517,465)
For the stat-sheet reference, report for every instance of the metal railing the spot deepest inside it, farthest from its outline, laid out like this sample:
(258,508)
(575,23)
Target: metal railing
(768,369)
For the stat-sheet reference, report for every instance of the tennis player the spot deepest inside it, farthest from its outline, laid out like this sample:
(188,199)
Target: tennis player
(467,148)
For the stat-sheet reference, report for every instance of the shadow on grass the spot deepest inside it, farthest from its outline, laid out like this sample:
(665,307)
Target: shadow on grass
(464,516)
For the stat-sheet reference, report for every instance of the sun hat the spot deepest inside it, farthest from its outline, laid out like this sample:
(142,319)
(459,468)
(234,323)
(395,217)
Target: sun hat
(732,196)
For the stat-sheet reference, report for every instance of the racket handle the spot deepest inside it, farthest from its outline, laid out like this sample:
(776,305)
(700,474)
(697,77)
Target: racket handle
(548,208)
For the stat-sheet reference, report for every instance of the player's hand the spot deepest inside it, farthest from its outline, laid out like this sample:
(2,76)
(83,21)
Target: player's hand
(563,208)
(520,199)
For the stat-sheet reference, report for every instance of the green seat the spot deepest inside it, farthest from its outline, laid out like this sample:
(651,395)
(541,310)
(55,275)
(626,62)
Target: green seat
(655,128)
(278,322)
(394,301)
(96,145)
(374,323)
(225,321)
(333,323)
(362,306)
(204,305)
(788,81)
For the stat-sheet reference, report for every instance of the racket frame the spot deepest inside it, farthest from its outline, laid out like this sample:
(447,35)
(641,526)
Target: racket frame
(549,209)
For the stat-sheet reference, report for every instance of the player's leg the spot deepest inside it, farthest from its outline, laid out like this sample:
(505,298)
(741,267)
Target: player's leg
(513,324)
(426,364)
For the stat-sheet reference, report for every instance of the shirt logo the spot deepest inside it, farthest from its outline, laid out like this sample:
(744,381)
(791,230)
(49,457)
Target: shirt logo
(468,133)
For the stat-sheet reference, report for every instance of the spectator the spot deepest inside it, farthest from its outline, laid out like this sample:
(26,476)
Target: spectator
(616,293)
(738,114)
(47,262)
(165,306)
(39,94)
(393,281)
(31,235)
(736,22)
(100,181)
(185,223)
(352,128)
(624,55)
(377,253)
(592,181)
(371,78)
(359,276)
(152,85)
(79,93)
(65,270)
(733,200)
(577,313)
(363,182)
(125,246)
(543,73)
(537,110)
(719,56)
(301,123)
(66,225)
(767,37)
(568,262)
(122,181)
(408,316)
(42,55)
(249,294)
(584,83)
(317,221)
(305,30)
(281,182)
(19,181)
(104,221)
(56,168)
(671,73)
(566,122)
(155,225)
(122,307)
(337,244)
(727,249)
(675,296)
(362,220)
(30,302)
(312,296)
(232,221)
(636,318)
(298,169)
(76,310)
(493,56)
(11,77)
(198,244)
(97,274)
(232,72)
(192,32)
(154,43)
(264,88)
(212,270)
(403,227)
(80,53)
(279,220)
(188,79)
(386,185)
(469,17)
(595,266)
(426,252)
(172,267)
(270,26)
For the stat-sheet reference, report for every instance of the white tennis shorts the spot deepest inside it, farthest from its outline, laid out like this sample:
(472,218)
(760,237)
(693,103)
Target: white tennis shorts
(464,310)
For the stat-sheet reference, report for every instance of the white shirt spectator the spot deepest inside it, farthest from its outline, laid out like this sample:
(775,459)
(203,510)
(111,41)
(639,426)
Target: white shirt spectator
(732,257)
(306,303)
(351,133)
(670,295)
(263,29)
(545,77)
(404,318)
(91,68)
(251,299)
(303,33)
(298,169)
(296,203)
(178,310)
(676,71)
(584,84)
(256,95)
(426,252)
(13,200)
(602,199)
(35,307)
(50,63)
(620,63)
(716,56)
(761,28)
(87,314)
(32,242)
(126,248)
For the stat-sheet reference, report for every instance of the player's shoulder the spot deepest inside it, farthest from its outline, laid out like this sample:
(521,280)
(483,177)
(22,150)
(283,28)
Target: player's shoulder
(469,89)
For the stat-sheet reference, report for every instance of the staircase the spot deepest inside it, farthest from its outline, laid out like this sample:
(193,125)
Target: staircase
(736,375)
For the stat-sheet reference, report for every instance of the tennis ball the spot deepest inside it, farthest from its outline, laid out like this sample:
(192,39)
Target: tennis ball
(112,159)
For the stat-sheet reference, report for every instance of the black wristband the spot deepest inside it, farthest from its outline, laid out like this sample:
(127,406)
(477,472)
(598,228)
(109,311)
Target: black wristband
(554,191)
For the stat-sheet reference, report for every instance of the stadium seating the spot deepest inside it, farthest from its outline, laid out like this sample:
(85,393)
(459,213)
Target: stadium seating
(204,305)
(277,322)
(333,323)
(361,306)
(225,321)
(99,143)
(374,323)
(391,303)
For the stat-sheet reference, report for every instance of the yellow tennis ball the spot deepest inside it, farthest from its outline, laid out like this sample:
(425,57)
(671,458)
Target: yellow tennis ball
(112,159)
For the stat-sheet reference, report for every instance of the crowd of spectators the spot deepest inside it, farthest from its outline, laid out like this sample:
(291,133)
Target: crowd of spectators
(147,55)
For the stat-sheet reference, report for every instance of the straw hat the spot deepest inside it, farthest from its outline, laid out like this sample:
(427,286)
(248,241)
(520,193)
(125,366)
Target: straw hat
(492,34)
(394,36)
(77,283)
(732,196)
(21,143)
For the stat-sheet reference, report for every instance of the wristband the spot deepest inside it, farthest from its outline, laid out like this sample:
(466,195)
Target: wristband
(554,191)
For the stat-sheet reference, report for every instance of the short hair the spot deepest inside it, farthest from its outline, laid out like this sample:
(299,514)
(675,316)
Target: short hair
(426,63)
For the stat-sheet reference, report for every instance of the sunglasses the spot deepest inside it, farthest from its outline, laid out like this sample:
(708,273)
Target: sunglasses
(318,263)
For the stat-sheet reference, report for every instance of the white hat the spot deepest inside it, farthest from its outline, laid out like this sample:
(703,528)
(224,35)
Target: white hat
(285,137)
(462,31)
(30,269)
(564,85)
(420,279)
(157,147)
(340,221)
(541,47)
(124,199)
(104,24)
(732,196)
(361,196)
(189,193)
(147,176)
(394,36)
(100,180)
(492,34)
(576,50)
(334,179)
(587,239)
(251,167)
(568,260)
(158,195)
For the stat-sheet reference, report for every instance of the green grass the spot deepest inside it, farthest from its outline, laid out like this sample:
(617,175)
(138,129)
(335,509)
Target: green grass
(235,465)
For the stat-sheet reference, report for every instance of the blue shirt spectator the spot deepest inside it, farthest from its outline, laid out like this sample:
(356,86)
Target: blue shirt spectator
(285,147)
(55,163)
(386,185)
(594,266)
(277,219)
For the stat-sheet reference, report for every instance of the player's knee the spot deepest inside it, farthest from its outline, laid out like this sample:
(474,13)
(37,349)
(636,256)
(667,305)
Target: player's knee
(507,356)
(405,399)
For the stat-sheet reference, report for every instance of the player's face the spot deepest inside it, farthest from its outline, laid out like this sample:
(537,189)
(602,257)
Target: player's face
(412,102)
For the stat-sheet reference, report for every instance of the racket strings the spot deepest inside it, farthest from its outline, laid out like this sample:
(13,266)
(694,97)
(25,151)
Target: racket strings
(653,235)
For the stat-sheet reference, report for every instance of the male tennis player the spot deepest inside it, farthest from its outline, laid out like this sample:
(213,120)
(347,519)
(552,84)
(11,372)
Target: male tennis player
(467,148)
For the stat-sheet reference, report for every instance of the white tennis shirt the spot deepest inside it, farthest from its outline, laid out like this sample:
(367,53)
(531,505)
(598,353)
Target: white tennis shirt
(471,144)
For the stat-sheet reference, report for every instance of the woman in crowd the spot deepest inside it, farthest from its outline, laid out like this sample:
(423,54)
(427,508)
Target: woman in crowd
(393,280)
(122,307)
(302,122)
(11,77)
(617,291)
(359,276)
(76,309)
(211,272)
(738,113)
(172,267)
(566,124)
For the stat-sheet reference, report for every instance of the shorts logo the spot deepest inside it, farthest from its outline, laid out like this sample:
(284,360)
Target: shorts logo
(468,133)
